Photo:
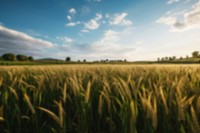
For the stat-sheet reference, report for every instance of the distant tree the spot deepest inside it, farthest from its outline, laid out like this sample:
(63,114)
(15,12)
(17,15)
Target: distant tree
(84,60)
(181,58)
(119,60)
(22,57)
(195,54)
(103,61)
(187,57)
(174,57)
(166,58)
(68,59)
(78,61)
(158,59)
(30,58)
(9,57)
(170,58)
(125,60)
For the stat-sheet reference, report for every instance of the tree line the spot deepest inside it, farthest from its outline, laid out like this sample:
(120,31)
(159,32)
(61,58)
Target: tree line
(195,54)
(13,57)
(68,59)
(21,57)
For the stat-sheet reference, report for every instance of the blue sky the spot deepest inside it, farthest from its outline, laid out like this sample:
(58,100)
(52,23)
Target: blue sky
(100,29)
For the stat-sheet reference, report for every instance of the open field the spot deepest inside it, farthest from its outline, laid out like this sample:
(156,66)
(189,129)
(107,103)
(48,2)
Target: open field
(100,99)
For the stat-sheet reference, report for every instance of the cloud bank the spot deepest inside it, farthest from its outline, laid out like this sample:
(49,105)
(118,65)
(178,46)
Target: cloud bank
(183,21)
(108,46)
(120,19)
(19,42)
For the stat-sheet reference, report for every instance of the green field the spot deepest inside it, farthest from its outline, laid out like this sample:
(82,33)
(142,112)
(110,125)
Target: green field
(100,99)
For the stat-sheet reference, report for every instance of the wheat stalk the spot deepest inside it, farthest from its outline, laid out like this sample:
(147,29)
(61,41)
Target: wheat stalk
(198,105)
(87,94)
(195,122)
(52,115)
(27,100)
(1,81)
(164,100)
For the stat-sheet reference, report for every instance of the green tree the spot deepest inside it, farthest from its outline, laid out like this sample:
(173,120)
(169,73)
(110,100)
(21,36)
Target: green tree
(166,58)
(84,60)
(30,58)
(22,57)
(195,54)
(68,59)
(9,57)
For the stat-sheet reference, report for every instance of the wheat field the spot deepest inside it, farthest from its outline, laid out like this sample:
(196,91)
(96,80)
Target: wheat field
(100,99)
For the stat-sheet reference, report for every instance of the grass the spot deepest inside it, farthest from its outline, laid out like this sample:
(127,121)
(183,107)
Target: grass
(100,98)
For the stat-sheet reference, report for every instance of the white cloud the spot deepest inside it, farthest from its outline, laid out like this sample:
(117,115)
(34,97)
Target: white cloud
(187,1)
(111,46)
(107,47)
(98,16)
(172,1)
(175,1)
(19,42)
(111,36)
(86,31)
(72,11)
(72,24)
(24,37)
(69,18)
(94,0)
(183,21)
(167,20)
(65,39)
(68,40)
(107,16)
(93,24)
(120,19)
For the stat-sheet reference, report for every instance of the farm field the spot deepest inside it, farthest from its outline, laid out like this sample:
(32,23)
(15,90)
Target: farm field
(100,99)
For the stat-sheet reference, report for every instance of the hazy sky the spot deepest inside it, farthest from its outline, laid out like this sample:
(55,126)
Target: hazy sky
(100,29)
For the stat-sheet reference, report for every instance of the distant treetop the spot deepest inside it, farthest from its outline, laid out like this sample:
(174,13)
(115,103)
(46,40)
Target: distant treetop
(13,57)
